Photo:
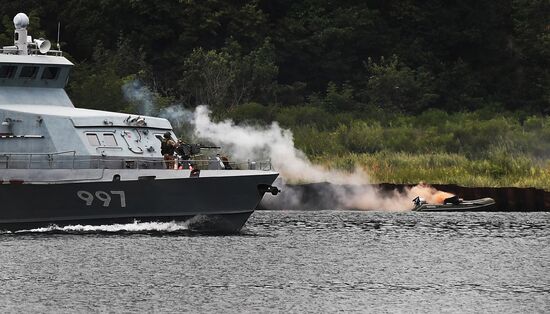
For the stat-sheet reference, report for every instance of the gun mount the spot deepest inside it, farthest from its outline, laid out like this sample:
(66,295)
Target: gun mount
(185,150)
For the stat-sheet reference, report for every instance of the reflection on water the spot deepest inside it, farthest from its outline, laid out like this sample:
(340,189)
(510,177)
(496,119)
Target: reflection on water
(322,261)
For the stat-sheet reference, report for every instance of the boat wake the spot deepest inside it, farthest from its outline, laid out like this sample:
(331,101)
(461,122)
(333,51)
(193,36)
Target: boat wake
(131,228)
(194,225)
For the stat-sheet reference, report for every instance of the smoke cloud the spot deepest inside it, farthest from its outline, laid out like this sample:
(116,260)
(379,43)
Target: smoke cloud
(351,190)
(140,96)
(273,143)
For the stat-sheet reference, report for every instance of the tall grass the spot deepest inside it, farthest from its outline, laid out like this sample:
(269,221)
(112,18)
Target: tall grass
(445,168)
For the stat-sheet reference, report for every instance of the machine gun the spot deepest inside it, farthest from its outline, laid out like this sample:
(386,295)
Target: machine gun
(185,151)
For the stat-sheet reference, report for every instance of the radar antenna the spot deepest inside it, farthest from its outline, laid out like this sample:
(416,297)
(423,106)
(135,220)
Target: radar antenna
(22,41)
(21,21)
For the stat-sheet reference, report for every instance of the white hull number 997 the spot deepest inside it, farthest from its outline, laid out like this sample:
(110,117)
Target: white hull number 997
(102,196)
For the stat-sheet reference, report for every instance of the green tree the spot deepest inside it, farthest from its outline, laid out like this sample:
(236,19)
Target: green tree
(97,84)
(532,48)
(226,77)
(394,86)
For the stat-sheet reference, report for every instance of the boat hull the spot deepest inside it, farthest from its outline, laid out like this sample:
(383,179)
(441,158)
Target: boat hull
(481,205)
(223,204)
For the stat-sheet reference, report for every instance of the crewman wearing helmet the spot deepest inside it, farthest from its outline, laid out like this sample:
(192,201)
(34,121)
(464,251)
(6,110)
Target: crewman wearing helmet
(167,149)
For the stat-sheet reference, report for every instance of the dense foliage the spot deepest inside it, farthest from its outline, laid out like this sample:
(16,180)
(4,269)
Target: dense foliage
(400,87)
(397,55)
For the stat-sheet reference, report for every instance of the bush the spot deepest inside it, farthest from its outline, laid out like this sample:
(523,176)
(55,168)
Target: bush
(306,115)
(316,142)
(252,112)
(394,86)
(361,137)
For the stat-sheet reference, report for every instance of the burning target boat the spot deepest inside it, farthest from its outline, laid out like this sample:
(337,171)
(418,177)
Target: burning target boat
(64,165)
(455,204)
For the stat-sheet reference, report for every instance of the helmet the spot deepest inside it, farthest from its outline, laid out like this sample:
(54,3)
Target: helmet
(167,135)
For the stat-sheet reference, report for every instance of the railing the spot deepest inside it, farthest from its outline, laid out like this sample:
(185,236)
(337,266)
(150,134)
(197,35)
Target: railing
(57,53)
(69,160)
(25,160)
(32,51)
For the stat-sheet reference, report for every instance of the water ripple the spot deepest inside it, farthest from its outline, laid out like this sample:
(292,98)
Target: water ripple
(324,261)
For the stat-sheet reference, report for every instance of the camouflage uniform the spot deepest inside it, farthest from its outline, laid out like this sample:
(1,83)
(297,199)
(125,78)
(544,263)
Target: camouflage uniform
(168,147)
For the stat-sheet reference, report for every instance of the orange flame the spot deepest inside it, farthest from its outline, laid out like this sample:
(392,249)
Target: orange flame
(429,193)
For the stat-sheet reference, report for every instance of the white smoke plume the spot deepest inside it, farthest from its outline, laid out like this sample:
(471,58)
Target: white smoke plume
(243,142)
(140,96)
(177,116)
(277,144)
(274,143)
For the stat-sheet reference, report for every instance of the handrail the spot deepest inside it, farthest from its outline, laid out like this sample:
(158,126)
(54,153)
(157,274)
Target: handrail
(32,52)
(72,161)
(43,154)
(30,155)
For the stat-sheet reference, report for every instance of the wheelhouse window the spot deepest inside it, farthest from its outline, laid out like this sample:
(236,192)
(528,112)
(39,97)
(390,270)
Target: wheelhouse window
(109,139)
(93,139)
(28,72)
(7,71)
(50,73)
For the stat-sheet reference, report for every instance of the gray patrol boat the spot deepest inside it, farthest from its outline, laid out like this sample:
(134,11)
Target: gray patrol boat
(61,165)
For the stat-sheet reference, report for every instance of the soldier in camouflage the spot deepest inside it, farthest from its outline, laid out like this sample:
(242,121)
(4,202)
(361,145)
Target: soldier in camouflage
(167,149)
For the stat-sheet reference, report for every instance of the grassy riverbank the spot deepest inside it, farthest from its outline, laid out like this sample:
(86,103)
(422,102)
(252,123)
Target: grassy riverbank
(445,168)
(480,148)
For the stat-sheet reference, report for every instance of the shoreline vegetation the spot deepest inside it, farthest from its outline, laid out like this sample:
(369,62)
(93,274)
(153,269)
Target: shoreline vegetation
(443,168)
(482,148)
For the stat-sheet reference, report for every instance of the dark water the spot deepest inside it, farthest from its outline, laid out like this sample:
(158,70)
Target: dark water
(288,262)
